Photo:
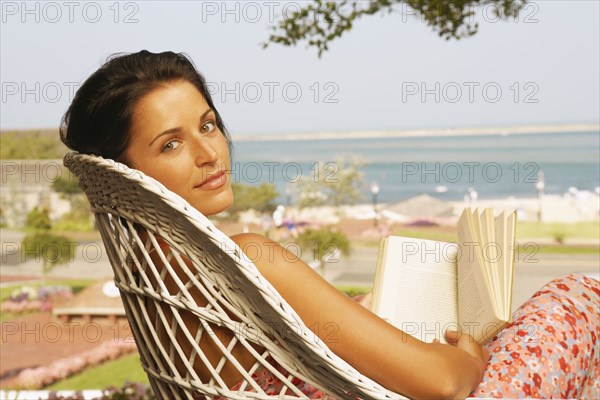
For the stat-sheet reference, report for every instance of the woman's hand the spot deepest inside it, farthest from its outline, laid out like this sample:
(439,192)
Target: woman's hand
(468,344)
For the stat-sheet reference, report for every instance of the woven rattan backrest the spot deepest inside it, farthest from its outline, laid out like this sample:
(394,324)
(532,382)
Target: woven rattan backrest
(149,233)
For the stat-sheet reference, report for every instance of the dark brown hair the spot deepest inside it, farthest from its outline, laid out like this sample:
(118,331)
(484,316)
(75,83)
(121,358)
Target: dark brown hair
(99,119)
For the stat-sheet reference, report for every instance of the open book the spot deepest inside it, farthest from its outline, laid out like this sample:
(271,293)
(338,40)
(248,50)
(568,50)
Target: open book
(425,287)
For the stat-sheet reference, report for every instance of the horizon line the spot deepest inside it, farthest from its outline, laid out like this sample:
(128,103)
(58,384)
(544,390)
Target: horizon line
(422,132)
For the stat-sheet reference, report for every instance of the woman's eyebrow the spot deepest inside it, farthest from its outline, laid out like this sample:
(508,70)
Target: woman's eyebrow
(205,113)
(167,132)
(177,129)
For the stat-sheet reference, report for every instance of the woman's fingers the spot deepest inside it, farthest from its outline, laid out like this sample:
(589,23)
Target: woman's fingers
(452,337)
(467,343)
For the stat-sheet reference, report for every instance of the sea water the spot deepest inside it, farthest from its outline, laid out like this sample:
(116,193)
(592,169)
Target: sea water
(447,167)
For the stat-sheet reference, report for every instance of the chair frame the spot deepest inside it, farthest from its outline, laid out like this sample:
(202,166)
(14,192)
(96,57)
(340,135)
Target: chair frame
(239,298)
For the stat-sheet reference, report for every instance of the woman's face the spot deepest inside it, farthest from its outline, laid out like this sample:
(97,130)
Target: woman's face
(175,140)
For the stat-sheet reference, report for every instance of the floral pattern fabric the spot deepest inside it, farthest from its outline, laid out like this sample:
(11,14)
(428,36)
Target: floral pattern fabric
(549,350)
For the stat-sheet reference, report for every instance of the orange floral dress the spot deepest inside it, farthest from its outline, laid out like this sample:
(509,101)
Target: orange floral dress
(550,350)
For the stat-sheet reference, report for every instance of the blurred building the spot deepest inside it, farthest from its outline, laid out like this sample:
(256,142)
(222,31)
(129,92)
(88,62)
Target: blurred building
(26,184)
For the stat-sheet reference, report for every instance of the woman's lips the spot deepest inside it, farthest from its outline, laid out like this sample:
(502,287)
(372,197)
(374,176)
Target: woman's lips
(215,181)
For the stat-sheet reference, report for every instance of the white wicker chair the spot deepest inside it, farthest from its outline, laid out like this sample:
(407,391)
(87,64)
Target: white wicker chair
(239,298)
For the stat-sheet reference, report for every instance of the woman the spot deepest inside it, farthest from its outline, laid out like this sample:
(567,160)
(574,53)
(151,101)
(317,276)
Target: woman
(154,113)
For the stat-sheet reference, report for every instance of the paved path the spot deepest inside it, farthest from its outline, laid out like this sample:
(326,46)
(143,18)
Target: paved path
(38,339)
(91,262)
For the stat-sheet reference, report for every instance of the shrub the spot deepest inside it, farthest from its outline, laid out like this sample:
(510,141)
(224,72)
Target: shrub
(559,236)
(129,391)
(260,198)
(67,186)
(38,219)
(79,219)
(324,243)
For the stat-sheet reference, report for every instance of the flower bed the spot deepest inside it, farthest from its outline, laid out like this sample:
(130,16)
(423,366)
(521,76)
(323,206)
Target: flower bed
(37,378)
(129,391)
(30,299)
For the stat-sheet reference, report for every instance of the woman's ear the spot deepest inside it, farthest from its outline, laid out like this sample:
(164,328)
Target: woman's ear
(124,160)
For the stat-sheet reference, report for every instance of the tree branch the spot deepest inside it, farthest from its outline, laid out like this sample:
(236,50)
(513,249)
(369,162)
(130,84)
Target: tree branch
(320,22)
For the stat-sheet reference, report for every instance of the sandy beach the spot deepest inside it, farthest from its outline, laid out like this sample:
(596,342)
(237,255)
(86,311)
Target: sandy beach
(568,208)
(554,208)
(498,130)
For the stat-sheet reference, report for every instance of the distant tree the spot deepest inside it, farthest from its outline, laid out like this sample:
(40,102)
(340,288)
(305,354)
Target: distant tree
(79,218)
(38,219)
(335,183)
(260,198)
(53,249)
(320,22)
(350,185)
(326,245)
(66,186)
(32,144)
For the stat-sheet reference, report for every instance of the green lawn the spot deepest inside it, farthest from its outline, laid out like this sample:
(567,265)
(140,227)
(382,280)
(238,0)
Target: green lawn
(353,290)
(526,232)
(533,248)
(578,230)
(113,373)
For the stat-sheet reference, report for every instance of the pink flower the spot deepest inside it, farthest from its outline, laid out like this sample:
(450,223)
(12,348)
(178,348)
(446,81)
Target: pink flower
(36,378)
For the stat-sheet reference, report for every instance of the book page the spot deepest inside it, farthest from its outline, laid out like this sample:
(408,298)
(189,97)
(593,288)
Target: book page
(492,250)
(500,227)
(476,232)
(510,226)
(417,290)
(475,308)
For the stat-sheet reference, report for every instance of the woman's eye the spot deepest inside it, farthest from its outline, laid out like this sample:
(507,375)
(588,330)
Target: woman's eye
(172,145)
(208,127)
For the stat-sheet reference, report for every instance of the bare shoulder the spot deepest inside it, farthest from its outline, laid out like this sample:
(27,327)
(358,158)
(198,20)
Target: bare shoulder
(249,238)
(302,287)
(264,252)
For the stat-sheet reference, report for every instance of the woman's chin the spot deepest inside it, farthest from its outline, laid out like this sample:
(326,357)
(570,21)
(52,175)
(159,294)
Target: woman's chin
(215,207)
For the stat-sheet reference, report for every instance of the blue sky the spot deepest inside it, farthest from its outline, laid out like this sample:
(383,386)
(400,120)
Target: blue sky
(391,72)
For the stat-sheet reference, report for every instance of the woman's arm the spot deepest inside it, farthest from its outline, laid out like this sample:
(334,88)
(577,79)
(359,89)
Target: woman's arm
(378,350)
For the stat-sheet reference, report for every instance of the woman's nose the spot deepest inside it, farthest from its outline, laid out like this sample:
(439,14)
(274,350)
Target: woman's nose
(205,152)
